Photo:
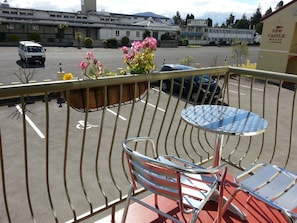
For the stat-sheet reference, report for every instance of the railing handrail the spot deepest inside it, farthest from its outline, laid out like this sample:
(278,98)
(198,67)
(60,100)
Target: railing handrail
(54,86)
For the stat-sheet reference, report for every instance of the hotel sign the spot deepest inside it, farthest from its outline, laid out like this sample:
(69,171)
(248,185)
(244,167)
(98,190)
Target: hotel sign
(277,35)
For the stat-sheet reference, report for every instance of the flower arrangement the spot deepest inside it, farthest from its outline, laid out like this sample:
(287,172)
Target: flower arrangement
(93,68)
(140,58)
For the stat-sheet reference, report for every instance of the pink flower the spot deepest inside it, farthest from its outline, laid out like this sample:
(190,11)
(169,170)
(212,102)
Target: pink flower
(124,49)
(83,65)
(99,64)
(150,43)
(91,55)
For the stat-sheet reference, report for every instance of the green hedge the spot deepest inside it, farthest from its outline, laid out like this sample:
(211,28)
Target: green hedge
(88,42)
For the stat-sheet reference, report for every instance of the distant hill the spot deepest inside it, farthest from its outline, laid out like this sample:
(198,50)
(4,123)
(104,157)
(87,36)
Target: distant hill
(150,14)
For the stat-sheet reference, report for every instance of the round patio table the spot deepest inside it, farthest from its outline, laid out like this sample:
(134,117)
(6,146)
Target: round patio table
(224,120)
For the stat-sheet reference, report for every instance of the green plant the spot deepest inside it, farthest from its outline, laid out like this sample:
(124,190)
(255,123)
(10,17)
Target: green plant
(25,75)
(111,43)
(188,60)
(168,36)
(146,34)
(239,50)
(35,37)
(2,36)
(61,28)
(125,41)
(185,42)
(13,38)
(78,37)
(88,42)
(93,68)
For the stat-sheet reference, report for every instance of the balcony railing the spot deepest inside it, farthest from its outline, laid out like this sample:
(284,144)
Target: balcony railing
(59,164)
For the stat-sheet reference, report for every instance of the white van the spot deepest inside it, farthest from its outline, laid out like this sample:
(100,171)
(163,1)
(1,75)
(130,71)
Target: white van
(31,52)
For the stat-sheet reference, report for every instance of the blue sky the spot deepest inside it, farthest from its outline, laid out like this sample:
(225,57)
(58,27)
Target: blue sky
(217,10)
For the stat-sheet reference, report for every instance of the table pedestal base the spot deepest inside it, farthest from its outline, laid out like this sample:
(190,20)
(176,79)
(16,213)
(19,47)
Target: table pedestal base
(232,207)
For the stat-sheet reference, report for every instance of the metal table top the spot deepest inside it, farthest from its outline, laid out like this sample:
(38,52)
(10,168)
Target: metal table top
(224,120)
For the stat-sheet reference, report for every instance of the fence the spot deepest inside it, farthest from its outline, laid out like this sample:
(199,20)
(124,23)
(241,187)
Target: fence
(60,164)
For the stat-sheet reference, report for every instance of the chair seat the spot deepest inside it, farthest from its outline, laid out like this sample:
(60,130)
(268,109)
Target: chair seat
(272,184)
(196,192)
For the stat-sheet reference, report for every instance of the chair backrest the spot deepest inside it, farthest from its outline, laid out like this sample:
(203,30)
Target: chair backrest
(153,175)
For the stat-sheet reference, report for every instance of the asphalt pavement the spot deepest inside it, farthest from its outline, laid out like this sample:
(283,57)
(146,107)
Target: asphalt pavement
(70,57)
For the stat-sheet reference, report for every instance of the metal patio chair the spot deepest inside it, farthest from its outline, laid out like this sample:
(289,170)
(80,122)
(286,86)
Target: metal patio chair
(179,180)
(271,184)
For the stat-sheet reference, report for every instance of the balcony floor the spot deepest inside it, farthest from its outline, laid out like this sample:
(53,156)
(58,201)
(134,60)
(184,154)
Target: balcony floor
(255,210)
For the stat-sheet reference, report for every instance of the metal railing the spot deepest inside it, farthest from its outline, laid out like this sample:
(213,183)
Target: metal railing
(59,164)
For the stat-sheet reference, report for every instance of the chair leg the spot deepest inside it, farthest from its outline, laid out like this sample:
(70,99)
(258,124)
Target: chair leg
(229,201)
(220,204)
(195,215)
(227,204)
(127,204)
(156,201)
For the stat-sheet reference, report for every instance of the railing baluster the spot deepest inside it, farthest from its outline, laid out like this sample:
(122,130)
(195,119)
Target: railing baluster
(2,166)
(66,159)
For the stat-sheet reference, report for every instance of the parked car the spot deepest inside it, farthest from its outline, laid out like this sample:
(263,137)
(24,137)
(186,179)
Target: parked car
(204,87)
(31,52)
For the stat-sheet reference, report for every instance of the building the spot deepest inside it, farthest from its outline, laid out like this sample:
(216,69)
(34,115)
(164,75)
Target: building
(88,6)
(197,31)
(278,49)
(59,28)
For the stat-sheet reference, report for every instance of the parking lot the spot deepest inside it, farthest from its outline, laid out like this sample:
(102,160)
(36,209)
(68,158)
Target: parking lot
(112,58)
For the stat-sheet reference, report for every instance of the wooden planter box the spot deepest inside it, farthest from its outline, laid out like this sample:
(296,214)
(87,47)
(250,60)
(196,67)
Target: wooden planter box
(104,97)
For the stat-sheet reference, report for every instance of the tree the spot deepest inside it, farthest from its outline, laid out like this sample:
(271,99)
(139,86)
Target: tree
(61,28)
(78,37)
(256,17)
(147,33)
(230,20)
(279,5)
(243,23)
(177,19)
(268,11)
(256,21)
(189,17)
(239,50)
(209,22)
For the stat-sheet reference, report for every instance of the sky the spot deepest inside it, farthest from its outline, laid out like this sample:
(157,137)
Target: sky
(217,10)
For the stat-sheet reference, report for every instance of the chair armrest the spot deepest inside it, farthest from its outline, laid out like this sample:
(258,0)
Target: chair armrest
(189,167)
(140,139)
(248,171)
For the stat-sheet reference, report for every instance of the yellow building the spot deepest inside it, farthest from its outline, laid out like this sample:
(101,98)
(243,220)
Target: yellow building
(278,49)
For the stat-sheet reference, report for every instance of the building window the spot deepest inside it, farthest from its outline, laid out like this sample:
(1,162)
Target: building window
(137,34)
(35,27)
(128,33)
(10,26)
(117,32)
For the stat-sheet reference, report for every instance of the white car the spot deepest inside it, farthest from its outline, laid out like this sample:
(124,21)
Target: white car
(31,52)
